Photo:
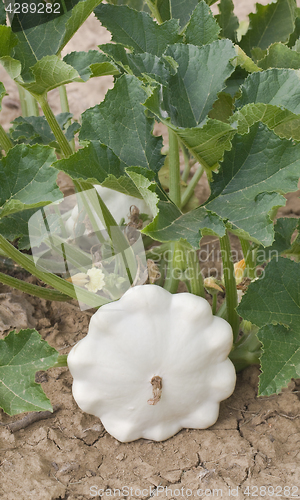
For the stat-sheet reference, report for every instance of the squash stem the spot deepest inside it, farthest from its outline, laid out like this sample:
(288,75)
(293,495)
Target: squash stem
(64,103)
(249,258)
(246,352)
(173,271)
(191,186)
(5,142)
(57,131)
(230,285)
(195,279)
(174,166)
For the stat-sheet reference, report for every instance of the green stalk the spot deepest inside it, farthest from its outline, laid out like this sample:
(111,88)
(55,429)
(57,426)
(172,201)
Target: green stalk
(187,164)
(57,131)
(222,311)
(173,271)
(64,103)
(214,304)
(196,280)
(29,105)
(61,361)
(230,285)
(191,186)
(37,291)
(249,258)
(246,352)
(56,282)
(5,142)
(154,11)
(174,166)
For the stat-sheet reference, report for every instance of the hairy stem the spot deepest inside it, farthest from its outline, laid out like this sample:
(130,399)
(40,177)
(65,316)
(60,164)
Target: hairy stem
(173,271)
(174,166)
(64,104)
(154,11)
(5,142)
(57,131)
(36,291)
(230,285)
(56,282)
(191,186)
(249,258)
(195,279)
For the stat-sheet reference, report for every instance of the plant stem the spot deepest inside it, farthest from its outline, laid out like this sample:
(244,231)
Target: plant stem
(187,164)
(249,258)
(5,141)
(230,285)
(64,103)
(56,282)
(37,291)
(214,304)
(174,166)
(246,352)
(61,361)
(172,277)
(191,186)
(154,11)
(196,280)
(57,131)
(29,105)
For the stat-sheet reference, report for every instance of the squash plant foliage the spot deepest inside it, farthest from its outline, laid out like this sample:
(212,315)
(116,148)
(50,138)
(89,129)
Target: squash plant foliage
(229,96)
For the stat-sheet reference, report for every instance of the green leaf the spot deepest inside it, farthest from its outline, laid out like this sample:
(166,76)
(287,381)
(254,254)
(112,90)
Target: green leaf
(97,164)
(2,93)
(2,13)
(245,62)
(201,74)
(284,229)
(146,188)
(35,129)
(273,304)
(90,64)
(284,123)
(280,56)
(207,144)
(145,66)
(271,23)
(120,123)
(173,226)
(254,175)
(202,27)
(134,4)
(176,9)
(296,33)
(222,108)
(35,38)
(21,356)
(278,87)
(227,20)
(137,30)
(27,179)
(50,72)
(15,226)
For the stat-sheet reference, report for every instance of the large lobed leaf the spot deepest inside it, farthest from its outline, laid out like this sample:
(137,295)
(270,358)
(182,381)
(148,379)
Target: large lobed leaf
(201,74)
(137,30)
(36,37)
(27,179)
(120,123)
(273,304)
(271,23)
(21,356)
(254,175)
(202,27)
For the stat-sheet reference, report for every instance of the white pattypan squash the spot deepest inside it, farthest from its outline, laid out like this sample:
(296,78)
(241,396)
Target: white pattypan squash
(153,363)
(117,203)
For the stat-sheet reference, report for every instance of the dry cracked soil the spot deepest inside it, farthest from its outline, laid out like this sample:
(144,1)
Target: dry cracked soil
(253,451)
